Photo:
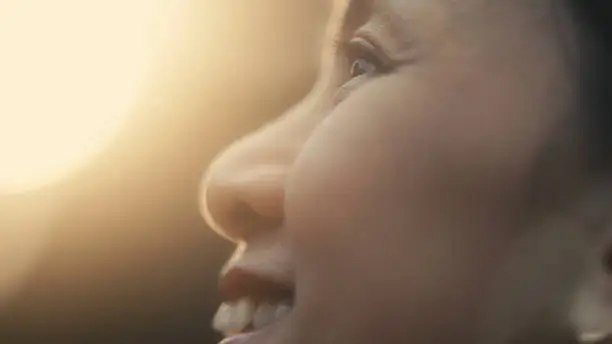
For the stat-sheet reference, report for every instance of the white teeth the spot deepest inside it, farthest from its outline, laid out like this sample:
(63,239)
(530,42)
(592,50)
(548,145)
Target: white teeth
(264,315)
(222,318)
(234,317)
(267,314)
(282,310)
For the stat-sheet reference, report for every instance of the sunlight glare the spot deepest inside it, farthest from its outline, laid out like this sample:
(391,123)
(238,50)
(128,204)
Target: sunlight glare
(70,74)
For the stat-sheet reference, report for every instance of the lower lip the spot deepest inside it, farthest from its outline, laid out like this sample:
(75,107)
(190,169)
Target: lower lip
(240,338)
(262,335)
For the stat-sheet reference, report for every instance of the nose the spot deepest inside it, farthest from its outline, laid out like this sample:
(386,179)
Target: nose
(238,203)
(243,191)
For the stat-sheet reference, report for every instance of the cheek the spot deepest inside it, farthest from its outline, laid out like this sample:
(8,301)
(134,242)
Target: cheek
(377,192)
(411,171)
(423,142)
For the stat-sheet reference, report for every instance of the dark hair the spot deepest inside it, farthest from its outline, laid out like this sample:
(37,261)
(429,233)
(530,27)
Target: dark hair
(594,18)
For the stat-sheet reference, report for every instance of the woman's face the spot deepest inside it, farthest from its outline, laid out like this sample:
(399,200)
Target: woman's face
(389,202)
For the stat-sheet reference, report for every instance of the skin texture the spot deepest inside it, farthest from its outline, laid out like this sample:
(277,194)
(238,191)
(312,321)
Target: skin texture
(434,199)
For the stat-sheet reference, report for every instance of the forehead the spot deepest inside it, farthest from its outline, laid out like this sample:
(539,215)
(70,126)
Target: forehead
(396,15)
(425,19)
(407,11)
(403,9)
(399,20)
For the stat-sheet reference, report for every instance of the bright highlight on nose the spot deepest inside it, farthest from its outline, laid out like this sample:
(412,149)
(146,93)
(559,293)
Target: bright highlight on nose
(70,74)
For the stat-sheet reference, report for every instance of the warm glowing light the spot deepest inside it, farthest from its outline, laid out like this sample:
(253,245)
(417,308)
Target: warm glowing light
(70,72)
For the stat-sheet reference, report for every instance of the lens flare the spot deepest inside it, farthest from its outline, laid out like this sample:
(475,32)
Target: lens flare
(70,74)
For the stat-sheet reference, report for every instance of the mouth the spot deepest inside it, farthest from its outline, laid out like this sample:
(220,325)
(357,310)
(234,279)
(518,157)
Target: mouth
(252,304)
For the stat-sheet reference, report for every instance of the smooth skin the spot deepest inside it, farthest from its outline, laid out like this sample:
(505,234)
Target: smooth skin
(427,190)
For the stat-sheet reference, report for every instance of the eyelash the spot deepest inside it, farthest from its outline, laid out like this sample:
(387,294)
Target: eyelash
(352,51)
(358,49)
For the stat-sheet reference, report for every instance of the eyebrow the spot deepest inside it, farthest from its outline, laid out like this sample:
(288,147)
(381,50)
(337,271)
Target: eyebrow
(355,12)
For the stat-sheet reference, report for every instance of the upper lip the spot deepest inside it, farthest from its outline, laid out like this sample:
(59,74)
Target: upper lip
(262,270)
(238,282)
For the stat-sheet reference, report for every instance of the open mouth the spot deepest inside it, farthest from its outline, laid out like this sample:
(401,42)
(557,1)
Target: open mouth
(252,304)
(245,315)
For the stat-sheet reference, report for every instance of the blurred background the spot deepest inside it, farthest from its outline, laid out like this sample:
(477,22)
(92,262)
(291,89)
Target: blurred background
(101,240)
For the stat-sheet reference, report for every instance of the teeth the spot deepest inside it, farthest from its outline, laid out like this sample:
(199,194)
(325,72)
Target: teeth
(282,310)
(267,314)
(264,315)
(233,318)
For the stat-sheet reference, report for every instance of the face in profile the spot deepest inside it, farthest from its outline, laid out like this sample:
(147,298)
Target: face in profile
(409,197)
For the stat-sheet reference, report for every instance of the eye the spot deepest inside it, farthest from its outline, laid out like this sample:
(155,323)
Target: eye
(360,61)
(362,66)
(362,58)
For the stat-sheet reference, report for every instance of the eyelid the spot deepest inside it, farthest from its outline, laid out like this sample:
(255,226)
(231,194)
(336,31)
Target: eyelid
(362,43)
